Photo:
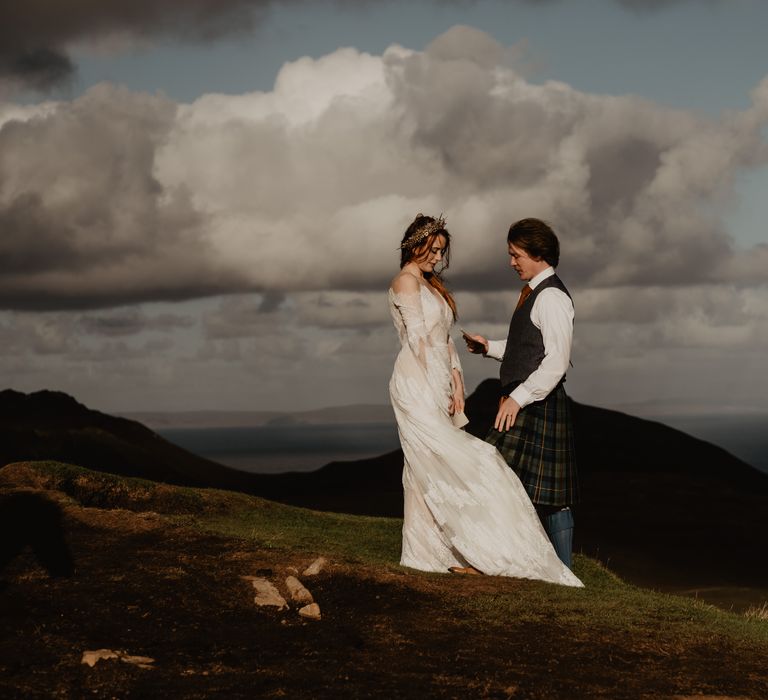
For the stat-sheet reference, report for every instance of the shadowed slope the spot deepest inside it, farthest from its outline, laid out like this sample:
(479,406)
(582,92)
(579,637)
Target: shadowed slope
(159,575)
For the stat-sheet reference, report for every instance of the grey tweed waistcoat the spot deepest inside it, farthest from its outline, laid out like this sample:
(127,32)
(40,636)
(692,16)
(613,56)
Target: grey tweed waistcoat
(525,345)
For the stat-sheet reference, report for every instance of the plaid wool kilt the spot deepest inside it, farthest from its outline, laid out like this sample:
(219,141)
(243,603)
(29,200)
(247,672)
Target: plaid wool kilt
(539,447)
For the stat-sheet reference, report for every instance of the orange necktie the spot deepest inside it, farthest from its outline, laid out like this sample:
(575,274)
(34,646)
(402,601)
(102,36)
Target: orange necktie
(524,294)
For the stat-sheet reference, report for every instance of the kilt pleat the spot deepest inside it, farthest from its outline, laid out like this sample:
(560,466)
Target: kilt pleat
(540,449)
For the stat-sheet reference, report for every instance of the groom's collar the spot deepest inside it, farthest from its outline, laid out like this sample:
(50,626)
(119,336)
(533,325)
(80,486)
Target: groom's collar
(538,279)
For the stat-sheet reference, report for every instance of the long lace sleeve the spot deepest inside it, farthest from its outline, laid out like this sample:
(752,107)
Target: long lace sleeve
(455,362)
(407,300)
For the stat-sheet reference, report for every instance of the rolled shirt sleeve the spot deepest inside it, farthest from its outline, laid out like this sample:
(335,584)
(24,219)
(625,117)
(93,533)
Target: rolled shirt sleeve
(496,349)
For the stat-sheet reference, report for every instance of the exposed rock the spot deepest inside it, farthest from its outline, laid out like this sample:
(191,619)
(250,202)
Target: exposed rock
(310,612)
(93,657)
(292,570)
(266,593)
(298,593)
(316,567)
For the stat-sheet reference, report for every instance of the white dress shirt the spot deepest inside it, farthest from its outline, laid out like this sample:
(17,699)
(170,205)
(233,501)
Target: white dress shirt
(552,314)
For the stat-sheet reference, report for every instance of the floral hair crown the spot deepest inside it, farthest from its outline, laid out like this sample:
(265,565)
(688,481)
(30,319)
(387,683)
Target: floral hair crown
(420,234)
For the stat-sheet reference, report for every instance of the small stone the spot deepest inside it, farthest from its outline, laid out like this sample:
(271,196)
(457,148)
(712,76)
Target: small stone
(316,567)
(298,593)
(266,593)
(310,612)
(140,661)
(93,657)
(292,570)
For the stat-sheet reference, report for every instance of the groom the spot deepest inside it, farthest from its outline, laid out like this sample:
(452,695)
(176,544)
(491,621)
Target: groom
(533,428)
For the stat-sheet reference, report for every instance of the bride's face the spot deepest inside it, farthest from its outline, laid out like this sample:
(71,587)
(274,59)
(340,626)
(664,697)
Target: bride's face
(431,256)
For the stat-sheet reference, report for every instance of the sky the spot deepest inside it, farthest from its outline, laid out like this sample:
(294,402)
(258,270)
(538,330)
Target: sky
(201,200)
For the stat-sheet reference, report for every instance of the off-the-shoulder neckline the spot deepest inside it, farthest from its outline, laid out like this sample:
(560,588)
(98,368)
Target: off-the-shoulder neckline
(422,286)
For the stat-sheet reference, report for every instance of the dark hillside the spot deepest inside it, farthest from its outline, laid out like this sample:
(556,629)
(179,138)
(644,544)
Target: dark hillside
(51,425)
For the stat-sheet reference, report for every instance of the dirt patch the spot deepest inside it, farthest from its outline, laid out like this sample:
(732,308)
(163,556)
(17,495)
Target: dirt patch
(147,587)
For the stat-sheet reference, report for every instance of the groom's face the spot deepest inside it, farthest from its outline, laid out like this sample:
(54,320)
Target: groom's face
(522,263)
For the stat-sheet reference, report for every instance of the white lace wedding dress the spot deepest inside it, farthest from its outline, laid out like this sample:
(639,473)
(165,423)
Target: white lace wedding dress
(463,504)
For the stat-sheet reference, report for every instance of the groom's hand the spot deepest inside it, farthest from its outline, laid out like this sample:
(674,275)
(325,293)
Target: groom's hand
(507,414)
(475,343)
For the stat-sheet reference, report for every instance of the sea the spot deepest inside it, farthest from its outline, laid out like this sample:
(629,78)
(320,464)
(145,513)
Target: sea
(274,449)
(278,448)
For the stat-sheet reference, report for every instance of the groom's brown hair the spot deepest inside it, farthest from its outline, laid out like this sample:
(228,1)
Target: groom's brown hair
(537,239)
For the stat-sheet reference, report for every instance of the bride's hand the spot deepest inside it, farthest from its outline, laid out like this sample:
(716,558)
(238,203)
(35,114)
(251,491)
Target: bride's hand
(457,393)
(457,402)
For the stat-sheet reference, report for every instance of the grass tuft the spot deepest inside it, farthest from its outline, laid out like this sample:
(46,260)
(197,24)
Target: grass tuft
(759,612)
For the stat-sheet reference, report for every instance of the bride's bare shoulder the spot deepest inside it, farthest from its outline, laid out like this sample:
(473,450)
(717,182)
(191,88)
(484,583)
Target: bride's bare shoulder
(405,283)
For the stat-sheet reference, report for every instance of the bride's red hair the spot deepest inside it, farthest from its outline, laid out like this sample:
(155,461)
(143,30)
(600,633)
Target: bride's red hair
(421,250)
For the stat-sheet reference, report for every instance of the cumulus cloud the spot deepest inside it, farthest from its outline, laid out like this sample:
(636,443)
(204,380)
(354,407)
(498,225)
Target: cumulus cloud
(85,221)
(118,197)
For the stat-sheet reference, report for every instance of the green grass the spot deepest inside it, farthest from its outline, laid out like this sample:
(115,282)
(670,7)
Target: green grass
(606,607)
(265,523)
(609,606)
(275,526)
(103,490)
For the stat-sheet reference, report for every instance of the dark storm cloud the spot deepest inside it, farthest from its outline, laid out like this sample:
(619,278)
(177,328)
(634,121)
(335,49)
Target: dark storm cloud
(238,317)
(31,241)
(35,36)
(271,301)
(244,316)
(652,5)
(40,69)
(131,322)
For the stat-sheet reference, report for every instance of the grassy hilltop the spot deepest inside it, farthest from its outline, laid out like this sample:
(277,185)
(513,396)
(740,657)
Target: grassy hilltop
(158,574)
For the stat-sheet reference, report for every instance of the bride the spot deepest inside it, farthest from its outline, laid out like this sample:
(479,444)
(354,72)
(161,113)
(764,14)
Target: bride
(465,509)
